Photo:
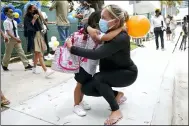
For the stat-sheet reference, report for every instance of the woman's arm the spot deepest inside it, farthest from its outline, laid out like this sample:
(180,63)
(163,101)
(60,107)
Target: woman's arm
(106,50)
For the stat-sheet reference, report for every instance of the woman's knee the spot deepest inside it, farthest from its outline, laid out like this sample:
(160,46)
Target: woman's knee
(89,90)
(98,77)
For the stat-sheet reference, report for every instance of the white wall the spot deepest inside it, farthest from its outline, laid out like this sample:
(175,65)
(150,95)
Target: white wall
(129,8)
(123,4)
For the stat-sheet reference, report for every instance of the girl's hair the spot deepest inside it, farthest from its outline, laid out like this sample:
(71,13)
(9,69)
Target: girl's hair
(94,19)
(116,12)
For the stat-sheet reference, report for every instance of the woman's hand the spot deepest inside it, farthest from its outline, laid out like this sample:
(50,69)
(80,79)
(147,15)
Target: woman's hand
(69,44)
(94,33)
(35,16)
(6,39)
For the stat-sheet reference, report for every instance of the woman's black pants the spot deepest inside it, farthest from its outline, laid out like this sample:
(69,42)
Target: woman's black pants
(102,83)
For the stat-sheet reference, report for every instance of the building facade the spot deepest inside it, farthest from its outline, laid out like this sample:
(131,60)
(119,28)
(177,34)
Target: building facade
(184,4)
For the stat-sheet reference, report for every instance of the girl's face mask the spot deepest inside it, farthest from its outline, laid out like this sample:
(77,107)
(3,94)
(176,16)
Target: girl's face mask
(103,25)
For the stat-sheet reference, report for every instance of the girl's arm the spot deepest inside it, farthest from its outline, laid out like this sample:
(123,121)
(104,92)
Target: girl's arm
(109,36)
(106,50)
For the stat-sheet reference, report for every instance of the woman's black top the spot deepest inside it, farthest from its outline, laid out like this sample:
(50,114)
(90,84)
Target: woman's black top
(113,55)
(30,30)
(28,23)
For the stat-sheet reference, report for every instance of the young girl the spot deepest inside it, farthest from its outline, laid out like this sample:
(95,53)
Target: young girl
(88,69)
(33,27)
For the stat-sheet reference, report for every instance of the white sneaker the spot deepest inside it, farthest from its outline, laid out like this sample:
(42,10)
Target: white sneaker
(35,71)
(85,106)
(48,73)
(79,111)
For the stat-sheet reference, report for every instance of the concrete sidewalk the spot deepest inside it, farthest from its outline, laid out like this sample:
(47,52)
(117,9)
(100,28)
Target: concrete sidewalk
(180,101)
(149,98)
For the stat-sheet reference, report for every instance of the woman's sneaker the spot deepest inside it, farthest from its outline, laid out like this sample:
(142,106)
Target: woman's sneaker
(35,71)
(48,73)
(79,111)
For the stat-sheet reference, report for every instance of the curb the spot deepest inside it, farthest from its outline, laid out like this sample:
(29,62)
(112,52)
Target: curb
(163,110)
(180,115)
(173,102)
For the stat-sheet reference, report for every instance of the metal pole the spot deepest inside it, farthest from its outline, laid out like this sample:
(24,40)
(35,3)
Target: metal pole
(134,7)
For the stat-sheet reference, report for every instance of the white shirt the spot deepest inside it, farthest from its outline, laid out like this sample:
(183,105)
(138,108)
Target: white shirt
(90,65)
(173,24)
(156,22)
(167,20)
(45,17)
(8,26)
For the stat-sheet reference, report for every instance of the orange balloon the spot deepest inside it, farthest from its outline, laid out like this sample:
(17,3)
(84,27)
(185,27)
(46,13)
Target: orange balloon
(138,26)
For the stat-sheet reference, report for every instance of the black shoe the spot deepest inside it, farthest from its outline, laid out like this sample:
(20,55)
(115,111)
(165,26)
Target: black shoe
(142,46)
(157,48)
(29,67)
(5,68)
(139,45)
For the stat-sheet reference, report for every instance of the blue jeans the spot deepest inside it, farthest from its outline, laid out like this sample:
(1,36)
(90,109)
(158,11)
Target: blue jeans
(63,32)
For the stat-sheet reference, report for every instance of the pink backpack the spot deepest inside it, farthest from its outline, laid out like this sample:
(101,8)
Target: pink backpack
(64,61)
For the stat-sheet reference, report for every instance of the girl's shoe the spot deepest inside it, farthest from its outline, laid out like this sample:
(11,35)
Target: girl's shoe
(79,111)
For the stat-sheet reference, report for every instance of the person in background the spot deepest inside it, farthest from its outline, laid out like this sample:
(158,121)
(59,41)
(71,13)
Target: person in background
(45,17)
(185,31)
(139,42)
(62,22)
(168,30)
(173,26)
(4,100)
(158,26)
(34,26)
(79,13)
(11,31)
(87,12)
(71,6)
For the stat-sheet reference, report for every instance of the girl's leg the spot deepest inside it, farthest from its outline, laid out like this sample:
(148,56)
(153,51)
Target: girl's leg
(78,95)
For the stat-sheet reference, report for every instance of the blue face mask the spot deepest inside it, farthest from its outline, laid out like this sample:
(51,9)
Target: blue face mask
(103,24)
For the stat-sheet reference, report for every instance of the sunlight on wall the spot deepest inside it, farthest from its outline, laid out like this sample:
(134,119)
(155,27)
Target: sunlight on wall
(123,4)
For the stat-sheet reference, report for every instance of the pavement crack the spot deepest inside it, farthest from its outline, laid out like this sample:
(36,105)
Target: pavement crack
(65,81)
(33,116)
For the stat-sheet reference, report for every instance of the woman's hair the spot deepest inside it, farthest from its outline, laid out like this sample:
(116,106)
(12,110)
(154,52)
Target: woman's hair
(116,12)
(28,9)
(94,19)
